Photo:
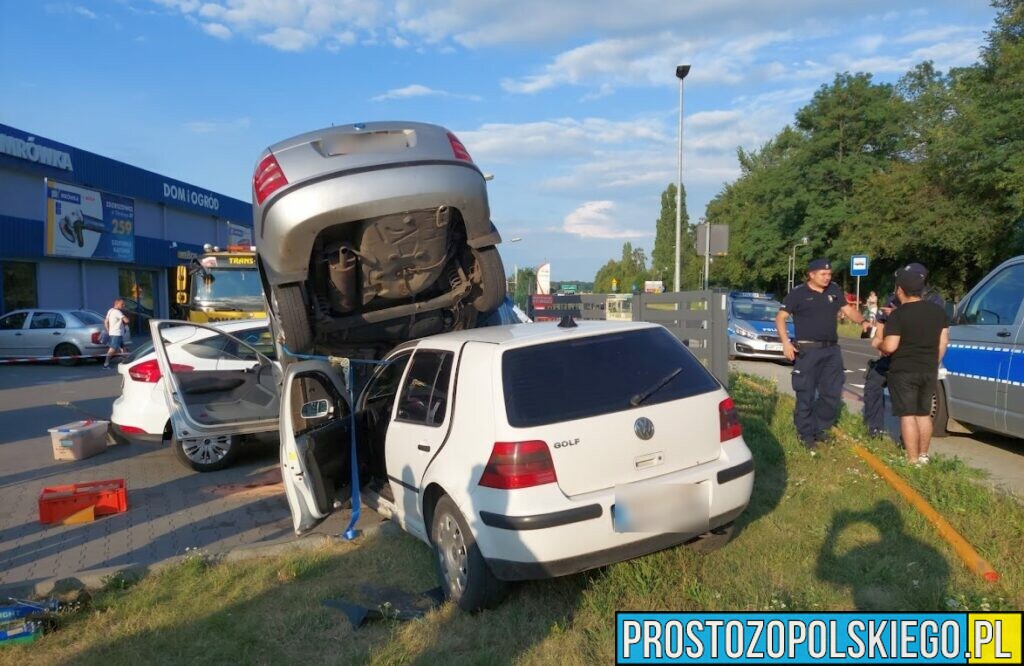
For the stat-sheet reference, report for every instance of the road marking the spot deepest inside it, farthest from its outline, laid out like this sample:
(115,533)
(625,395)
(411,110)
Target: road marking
(860,386)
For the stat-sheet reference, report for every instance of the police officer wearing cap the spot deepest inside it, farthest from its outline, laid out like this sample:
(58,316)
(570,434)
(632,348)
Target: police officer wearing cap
(817,360)
(876,376)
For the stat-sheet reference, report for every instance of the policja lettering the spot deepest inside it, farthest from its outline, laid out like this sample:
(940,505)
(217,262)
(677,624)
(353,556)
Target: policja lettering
(818,373)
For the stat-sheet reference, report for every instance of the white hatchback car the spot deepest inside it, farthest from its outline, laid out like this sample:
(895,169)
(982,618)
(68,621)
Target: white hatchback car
(140,412)
(517,452)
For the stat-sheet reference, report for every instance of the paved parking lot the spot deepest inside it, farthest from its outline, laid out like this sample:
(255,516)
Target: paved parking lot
(170,507)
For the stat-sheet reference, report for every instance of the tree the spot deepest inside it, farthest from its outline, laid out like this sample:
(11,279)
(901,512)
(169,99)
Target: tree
(628,273)
(524,284)
(663,258)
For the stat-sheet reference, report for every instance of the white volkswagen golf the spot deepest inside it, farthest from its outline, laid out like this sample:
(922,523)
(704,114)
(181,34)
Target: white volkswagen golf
(516,452)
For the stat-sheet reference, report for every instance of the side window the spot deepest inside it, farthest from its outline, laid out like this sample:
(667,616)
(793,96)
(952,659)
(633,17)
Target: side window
(46,320)
(384,387)
(13,321)
(998,302)
(424,397)
(261,341)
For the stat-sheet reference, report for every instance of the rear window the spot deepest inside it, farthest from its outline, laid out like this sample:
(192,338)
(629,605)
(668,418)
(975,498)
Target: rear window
(585,377)
(88,318)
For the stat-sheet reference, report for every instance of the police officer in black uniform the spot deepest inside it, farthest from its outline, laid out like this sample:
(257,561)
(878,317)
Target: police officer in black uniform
(818,363)
(877,373)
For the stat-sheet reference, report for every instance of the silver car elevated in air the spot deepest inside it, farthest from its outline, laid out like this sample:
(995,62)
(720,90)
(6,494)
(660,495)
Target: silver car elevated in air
(371,234)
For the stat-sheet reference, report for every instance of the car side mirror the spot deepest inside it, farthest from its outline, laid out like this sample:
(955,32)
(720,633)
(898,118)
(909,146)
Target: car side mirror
(315,409)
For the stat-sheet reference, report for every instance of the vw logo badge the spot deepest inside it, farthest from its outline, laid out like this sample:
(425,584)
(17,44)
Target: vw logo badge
(643,428)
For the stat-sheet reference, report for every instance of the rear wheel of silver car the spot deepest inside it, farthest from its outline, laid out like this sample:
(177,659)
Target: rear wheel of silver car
(488,280)
(294,318)
(63,351)
(205,454)
(462,572)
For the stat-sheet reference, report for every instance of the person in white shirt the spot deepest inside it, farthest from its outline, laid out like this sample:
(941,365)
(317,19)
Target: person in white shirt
(114,324)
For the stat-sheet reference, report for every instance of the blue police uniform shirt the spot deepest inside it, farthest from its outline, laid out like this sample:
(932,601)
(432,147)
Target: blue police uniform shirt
(893,302)
(815,313)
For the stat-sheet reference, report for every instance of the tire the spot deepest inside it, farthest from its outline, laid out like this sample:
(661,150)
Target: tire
(294,318)
(461,570)
(206,454)
(940,412)
(711,541)
(489,292)
(67,349)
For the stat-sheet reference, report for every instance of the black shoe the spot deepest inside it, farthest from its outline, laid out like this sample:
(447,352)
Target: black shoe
(810,444)
(879,432)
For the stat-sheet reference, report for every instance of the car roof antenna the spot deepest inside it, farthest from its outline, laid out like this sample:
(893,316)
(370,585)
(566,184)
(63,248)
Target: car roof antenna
(567,322)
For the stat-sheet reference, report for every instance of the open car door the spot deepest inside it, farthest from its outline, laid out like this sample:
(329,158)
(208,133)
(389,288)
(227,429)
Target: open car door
(315,441)
(217,386)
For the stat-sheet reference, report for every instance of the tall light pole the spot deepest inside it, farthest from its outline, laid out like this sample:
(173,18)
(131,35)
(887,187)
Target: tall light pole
(681,72)
(792,262)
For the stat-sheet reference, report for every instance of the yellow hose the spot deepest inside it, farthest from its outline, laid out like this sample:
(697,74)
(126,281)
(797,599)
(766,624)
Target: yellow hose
(971,558)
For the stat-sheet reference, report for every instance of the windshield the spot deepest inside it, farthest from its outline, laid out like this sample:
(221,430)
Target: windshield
(755,310)
(238,287)
(601,374)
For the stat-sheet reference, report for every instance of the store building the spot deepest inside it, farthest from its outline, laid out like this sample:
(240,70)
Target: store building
(78,229)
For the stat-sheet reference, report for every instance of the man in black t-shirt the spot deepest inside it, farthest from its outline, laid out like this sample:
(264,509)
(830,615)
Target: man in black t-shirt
(916,336)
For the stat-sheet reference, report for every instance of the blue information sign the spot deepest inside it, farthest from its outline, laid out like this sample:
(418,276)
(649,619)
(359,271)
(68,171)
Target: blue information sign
(858,265)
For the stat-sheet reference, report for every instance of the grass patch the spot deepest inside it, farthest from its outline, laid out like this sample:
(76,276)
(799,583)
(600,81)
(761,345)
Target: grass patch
(848,329)
(821,533)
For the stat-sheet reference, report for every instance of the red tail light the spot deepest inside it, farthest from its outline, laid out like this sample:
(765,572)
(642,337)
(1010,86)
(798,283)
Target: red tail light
(268,178)
(518,465)
(132,430)
(728,420)
(95,338)
(458,149)
(149,371)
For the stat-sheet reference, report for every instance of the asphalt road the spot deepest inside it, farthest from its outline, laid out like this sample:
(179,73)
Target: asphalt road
(1001,457)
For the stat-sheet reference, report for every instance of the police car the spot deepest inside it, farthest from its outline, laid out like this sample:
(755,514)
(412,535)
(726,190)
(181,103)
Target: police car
(751,326)
(982,379)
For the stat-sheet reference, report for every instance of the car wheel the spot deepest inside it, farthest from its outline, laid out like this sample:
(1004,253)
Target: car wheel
(65,350)
(294,318)
(711,541)
(205,454)
(461,570)
(488,280)
(940,412)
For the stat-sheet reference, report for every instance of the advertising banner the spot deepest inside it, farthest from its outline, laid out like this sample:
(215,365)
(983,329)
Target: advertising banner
(87,224)
(239,235)
(544,279)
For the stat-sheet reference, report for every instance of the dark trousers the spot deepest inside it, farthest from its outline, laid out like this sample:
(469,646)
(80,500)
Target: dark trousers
(818,384)
(874,393)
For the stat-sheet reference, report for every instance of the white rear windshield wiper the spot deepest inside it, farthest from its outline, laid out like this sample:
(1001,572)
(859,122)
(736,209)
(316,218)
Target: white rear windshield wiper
(640,397)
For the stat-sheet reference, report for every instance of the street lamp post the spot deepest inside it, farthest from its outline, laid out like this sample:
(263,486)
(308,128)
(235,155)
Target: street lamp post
(681,72)
(792,262)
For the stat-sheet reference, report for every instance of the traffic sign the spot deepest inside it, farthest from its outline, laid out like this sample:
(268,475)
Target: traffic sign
(858,265)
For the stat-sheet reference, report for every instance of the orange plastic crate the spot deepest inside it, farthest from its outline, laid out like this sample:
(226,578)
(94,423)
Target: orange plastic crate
(58,502)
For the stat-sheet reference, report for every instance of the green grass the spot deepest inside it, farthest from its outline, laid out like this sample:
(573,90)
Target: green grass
(821,533)
(847,329)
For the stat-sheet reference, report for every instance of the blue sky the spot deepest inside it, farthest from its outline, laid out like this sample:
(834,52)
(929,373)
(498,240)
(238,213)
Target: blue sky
(572,105)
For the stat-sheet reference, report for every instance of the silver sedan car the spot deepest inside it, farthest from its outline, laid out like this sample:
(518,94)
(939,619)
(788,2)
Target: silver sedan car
(371,234)
(44,333)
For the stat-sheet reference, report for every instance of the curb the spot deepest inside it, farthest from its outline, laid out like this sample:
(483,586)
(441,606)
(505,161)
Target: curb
(95,579)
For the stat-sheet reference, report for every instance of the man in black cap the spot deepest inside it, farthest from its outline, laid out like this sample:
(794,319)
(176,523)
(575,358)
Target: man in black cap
(916,336)
(818,362)
(875,377)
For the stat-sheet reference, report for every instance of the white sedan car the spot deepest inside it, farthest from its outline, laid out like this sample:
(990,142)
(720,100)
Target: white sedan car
(140,412)
(516,452)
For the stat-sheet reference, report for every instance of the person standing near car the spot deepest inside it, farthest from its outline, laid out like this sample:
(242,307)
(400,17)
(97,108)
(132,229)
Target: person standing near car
(878,369)
(818,374)
(114,324)
(916,335)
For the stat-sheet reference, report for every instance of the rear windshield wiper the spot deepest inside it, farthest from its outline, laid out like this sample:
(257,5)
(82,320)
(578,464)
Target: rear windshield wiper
(640,397)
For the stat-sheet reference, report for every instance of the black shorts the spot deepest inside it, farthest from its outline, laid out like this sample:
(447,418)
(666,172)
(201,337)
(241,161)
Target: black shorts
(912,392)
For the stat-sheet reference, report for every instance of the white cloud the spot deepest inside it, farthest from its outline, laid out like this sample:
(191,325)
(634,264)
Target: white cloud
(214,126)
(84,11)
(289,39)
(69,9)
(218,30)
(593,219)
(417,90)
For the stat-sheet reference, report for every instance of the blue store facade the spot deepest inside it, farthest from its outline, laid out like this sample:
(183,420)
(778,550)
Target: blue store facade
(78,230)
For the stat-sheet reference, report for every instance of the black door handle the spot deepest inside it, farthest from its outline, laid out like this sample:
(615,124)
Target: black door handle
(1003,334)
(423,447)
(17,333)
(56,332)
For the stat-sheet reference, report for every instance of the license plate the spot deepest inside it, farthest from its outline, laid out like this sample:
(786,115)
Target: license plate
(773,346)
(662,507)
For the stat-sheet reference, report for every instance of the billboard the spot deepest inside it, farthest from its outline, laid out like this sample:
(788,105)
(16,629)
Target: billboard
(544,279)
(239,235)
(88,224)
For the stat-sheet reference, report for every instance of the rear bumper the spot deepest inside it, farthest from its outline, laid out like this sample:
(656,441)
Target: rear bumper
(291,222)
(581,534)
(123,437)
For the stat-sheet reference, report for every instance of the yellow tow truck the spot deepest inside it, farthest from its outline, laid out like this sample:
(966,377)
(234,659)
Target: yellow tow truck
(221,285)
